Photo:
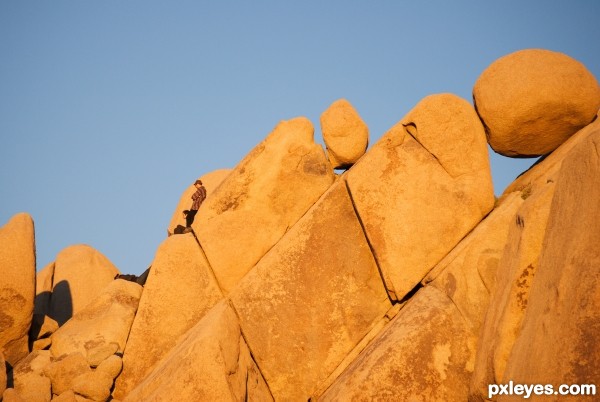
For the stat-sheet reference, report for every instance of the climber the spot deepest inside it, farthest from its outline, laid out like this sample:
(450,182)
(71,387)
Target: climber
(198,198)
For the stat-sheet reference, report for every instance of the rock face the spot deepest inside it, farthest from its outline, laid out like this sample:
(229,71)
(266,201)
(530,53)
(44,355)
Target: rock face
(400,279)
(420,356)
(345,134)
(179,291)
(106,319)
(559,341)
(17,286)
(532,100)
(261,199)
(43,289)
(226,373)
(2,373)
(211,181)
(516,271)
(415,185)
(467,275)
(311,299)
(80,275)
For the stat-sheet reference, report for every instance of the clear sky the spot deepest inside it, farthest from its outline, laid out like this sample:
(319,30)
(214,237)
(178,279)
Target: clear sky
(110,109)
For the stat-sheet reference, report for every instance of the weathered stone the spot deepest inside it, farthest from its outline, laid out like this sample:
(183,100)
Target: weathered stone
(106,319)
(210,363)
(42,344)
(42,326)
(94,385)
(416,185)
(508,303)
(67,396)
(112,366)
(33,387)
(3,376)
(211,181)
(345,134)
(547,168)
(467,275)
(11,395)
(179,291)
(560,335)
(17,286)
(425,354)
(269,190)
(97,355)
(80,275)
(43,289)
(312,298)
(532,100)
(63,371)
(35,362)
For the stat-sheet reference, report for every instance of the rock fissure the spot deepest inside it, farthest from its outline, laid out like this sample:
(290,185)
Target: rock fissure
(387,283)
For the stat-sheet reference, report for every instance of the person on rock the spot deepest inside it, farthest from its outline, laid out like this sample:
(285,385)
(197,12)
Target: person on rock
(197,199)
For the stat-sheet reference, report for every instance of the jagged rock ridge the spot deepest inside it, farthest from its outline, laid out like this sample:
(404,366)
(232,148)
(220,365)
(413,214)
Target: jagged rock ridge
(400,279)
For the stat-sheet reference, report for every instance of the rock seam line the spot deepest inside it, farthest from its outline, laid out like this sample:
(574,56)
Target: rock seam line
(230,304)
(384,279)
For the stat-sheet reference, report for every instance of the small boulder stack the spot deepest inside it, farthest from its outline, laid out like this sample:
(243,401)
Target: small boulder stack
(345,134)
(532,100)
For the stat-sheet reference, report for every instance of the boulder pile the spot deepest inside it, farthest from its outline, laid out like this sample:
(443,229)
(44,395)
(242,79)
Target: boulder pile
(401,278)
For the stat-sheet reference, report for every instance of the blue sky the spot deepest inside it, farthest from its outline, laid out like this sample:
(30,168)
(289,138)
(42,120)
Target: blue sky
(110,109)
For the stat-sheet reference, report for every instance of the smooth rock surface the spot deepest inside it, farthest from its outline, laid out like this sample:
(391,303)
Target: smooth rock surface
(425,354)
(312,298)
(547,168)
(226,371)
(106,319)
(94,385)
(64,370)
(11,395)
(264,196)
(345,134)
(17,285)
(211,181)
(467,275)
(415,184)
(33,387)
(559,341)
(516,271)
(3,376)
(179,291)
(80,274)
(532,100)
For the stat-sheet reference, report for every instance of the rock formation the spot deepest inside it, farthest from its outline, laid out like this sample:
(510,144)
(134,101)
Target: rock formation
(345,134)
(179,291)
(80,274)
(17,286)
(400,279)
(270,189)
(211,181)
(532,100)
(415,185)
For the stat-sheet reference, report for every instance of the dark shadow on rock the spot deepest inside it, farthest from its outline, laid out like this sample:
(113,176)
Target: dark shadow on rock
(61,303)
(10,378)
(179,229)
(141,280)
(42,303)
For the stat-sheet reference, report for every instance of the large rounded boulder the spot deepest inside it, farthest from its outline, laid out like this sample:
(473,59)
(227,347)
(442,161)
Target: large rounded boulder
(533,100)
